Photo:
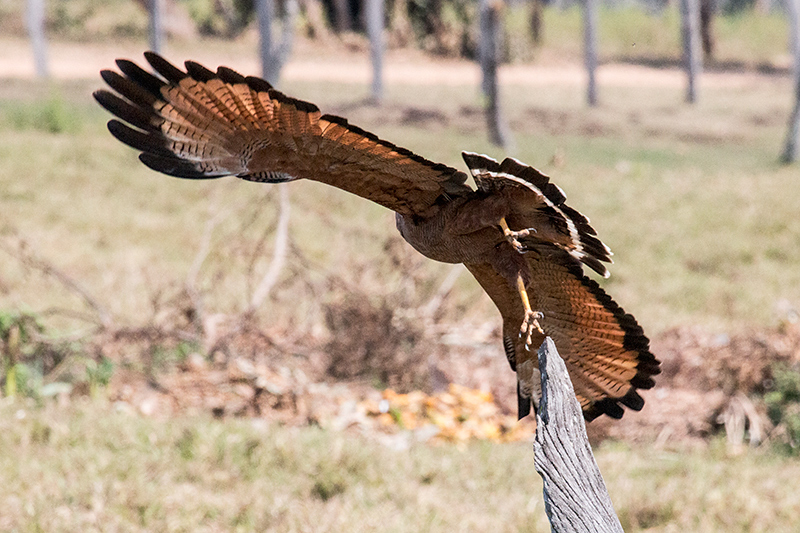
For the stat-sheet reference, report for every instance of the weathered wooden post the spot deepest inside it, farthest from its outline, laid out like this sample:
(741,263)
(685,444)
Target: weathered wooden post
(375,22)
(590,49)
(575,496)
(34,18)
(690,34)
(489,55)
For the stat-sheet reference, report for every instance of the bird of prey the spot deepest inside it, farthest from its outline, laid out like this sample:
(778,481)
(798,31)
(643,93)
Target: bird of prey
(524,245)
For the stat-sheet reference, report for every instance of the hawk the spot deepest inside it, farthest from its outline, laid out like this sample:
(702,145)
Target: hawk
(524,245)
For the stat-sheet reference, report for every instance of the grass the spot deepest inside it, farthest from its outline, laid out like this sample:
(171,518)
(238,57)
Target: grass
(700,216)
(637,34)
(88,467)
(691,200)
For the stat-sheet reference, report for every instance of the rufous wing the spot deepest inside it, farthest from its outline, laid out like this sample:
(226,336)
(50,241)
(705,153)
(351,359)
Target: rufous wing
(606,352)
(202,124)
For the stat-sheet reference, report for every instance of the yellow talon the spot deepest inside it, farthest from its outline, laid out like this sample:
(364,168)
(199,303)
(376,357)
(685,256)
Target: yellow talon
(531,321)
(513,236)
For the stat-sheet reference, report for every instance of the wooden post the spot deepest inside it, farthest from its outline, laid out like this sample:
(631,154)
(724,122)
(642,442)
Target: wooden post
(375,22)
(35,22)
(575,496)
(590,49)
(690,31)
(489,51)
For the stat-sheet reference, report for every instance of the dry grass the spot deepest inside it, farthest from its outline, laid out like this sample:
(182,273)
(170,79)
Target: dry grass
(700,216)
(691,200)
(87,467)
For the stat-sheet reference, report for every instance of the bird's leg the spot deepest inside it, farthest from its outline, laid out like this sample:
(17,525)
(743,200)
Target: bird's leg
(530,323)
(513,236)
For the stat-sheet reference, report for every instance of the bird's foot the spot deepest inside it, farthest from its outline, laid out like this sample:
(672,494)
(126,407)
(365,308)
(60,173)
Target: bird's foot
(513,237)
(530,325)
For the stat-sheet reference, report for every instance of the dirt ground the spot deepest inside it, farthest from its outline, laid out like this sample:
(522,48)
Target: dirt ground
(349,64)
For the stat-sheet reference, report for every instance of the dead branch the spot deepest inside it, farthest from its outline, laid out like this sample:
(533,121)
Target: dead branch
(214,216)
(29,258)
(430,309)
(741,414)
(278,255)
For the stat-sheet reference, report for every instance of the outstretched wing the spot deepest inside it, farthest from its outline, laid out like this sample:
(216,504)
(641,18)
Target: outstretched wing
(539,204)
(605,350)
(201,124)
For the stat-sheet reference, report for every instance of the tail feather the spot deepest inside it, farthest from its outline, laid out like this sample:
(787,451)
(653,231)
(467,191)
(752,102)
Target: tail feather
(523,403)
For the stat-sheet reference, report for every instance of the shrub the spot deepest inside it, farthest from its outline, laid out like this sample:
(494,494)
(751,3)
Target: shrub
(783,406)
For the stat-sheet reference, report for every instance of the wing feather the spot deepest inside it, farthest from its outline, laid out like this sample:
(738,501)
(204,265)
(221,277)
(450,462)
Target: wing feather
(540,205)
(606,352)
(204,124)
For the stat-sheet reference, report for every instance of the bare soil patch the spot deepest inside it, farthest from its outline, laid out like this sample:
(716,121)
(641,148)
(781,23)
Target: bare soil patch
(338,62)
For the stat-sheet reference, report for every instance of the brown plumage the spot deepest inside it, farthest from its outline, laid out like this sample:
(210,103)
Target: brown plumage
(514,233)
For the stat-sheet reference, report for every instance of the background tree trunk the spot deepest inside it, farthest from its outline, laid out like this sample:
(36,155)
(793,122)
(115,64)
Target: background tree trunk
(490,13)
(590,49)
(273,55)
(35,16)
(156,9)
(536,21)
(316,22)
(375,23)
(342,17)
(790,152)
(707,11)
(400,31)
(265,10)
(763,6)
(175,20)
(690,18)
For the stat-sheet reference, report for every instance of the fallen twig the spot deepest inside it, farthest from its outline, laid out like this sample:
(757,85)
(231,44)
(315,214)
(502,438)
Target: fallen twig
(32,260)
(278,256)
(430,309)
(214,216)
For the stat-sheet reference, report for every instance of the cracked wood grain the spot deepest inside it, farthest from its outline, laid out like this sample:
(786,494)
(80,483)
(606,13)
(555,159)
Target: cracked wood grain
(575,495)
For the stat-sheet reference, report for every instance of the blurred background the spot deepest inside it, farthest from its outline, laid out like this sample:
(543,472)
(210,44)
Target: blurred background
(229,356)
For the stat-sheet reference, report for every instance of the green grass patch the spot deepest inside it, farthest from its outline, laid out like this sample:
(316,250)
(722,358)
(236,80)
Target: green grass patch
(638,34)
(53,115)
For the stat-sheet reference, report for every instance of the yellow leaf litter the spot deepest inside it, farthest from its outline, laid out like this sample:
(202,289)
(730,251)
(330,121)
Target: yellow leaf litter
(458,415)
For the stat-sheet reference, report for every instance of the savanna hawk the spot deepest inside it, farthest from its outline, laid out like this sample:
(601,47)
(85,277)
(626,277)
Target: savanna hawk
(515,234)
